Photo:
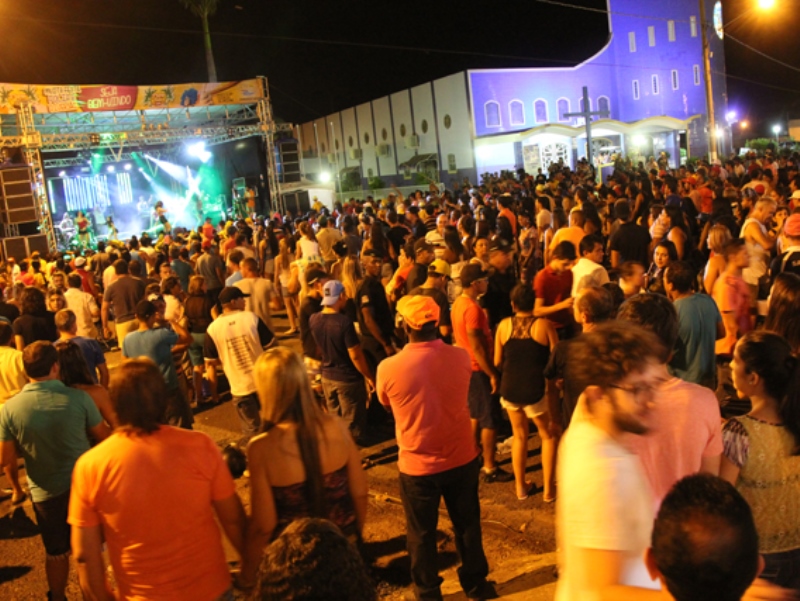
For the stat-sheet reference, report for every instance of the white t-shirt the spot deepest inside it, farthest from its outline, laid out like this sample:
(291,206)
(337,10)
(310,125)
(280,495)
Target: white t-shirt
(85,308)
(587,273)
(604,503)
(237,339)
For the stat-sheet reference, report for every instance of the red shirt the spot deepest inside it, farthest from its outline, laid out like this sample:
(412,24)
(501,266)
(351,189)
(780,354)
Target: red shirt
(208,231)
(553,288)
(512,219)
(466,315)
(432,423)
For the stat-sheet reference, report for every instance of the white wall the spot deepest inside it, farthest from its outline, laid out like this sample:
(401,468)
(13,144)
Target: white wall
(401,111)
(451,100)
(350,136)
(422,102)
(382,118)
(333,126)
(494,157)
(366,134)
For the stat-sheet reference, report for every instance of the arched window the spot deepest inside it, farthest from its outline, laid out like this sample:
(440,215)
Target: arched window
(604,104)
(492,113)
(540,110)
(563,108)
(516,112)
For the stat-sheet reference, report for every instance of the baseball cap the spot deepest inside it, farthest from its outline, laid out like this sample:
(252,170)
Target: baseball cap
(421,245)
(371,252)
(331,292)
(440,267)
(472,273)
(418,311)
(230,294)
(145,309)
(80,262)
(760,189)
(792,226)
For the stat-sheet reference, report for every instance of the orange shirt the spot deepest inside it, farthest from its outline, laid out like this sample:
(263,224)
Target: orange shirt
(466,315)
(574,234)
(152,495)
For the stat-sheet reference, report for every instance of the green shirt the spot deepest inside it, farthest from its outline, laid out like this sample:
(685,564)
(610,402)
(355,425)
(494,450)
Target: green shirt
(50,422)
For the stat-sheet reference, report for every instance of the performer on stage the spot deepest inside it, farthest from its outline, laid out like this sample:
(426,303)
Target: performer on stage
(84,232)
(161,215)
(112,229)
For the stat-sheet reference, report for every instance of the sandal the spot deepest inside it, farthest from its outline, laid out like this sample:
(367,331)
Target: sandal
(528,493)
(549,501)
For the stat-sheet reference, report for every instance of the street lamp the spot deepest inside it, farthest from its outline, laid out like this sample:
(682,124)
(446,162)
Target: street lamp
(776,129)
(766,4)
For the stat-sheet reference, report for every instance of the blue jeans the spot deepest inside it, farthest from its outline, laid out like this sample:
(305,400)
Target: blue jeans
(249,409)
(348,400)
(421,496)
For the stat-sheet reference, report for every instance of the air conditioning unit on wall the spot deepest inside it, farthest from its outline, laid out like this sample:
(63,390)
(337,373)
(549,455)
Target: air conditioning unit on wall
(355,154)
(384,150)
(331,157)
(412,141)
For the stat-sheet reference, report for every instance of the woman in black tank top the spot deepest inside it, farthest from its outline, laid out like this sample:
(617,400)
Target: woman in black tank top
(522,350)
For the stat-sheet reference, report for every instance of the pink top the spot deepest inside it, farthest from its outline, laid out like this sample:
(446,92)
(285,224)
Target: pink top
(426,386)
(686,427)
(732,295)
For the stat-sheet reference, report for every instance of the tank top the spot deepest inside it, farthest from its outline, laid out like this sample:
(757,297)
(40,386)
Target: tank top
(524,361)
(291,503)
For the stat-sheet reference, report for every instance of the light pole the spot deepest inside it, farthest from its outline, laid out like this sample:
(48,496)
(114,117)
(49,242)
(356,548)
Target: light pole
(776,129)
(711,126)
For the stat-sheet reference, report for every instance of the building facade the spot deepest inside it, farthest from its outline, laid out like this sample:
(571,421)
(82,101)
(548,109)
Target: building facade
(648,80)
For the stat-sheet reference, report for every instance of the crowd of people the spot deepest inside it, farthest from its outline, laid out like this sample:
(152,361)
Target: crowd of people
(647,326)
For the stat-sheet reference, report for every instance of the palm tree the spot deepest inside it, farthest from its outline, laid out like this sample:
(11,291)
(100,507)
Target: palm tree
(204,9)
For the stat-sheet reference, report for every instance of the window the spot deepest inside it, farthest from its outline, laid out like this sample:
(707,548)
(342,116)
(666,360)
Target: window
(540,111)
(403,130)
(366,138)
(655,87)
(563,108)
(424,126)
(370,172)
(350,141)
(632,41)
(651,35)
(451,163)
(384,134)
(516,112)
(448,121)
(675,85)
(696,70)
(671,30)
(636,89)
(693,25)
(491,111)
(603,104)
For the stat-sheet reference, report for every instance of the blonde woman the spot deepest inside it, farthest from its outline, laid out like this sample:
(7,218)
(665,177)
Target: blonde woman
(283,280)
(307,245)
(304,465)
(718,236)
(352,277)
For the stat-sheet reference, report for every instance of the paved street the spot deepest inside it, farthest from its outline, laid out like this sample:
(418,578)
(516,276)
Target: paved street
(518,536)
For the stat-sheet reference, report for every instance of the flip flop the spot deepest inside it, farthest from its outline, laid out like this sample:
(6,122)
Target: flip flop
(528,493)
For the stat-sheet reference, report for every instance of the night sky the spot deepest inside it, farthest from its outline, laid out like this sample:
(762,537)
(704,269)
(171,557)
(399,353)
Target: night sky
(158,41)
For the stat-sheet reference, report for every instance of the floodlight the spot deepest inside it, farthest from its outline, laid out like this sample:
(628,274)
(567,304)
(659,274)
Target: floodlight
(111,169)
(62,174)
(325,177)
(128,166)
(639,140)
(776,129)
(198,149)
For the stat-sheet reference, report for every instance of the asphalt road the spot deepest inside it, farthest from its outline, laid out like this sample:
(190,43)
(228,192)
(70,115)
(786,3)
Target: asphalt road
(518,536)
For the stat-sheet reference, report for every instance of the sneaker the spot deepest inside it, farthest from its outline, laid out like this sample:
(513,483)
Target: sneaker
(498,474)
(484,590)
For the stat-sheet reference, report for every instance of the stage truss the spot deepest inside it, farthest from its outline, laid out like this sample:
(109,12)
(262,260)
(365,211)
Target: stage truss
(122,133)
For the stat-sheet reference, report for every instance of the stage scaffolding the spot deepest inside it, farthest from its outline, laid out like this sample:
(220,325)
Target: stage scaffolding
(123,132)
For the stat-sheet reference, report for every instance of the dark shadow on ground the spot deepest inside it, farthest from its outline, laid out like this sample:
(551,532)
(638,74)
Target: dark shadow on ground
(17,525)
(9,573)
(520,584)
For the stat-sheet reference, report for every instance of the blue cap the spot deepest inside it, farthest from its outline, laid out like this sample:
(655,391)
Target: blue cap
(331,292)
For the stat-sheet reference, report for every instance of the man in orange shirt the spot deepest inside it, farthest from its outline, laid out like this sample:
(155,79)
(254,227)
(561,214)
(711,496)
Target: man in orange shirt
(574,233)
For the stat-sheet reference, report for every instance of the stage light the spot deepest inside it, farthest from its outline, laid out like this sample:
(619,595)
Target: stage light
(776,129)
(198,149)
(111,169)
(62,174)
(325,177)
(128,166)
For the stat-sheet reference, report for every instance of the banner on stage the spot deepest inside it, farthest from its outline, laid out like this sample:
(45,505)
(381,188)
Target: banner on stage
(80,99)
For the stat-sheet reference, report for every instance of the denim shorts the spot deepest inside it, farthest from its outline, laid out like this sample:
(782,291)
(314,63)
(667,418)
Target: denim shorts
(51,517)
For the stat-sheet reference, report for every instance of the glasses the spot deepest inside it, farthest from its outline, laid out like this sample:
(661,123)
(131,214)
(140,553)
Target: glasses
(641,393)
